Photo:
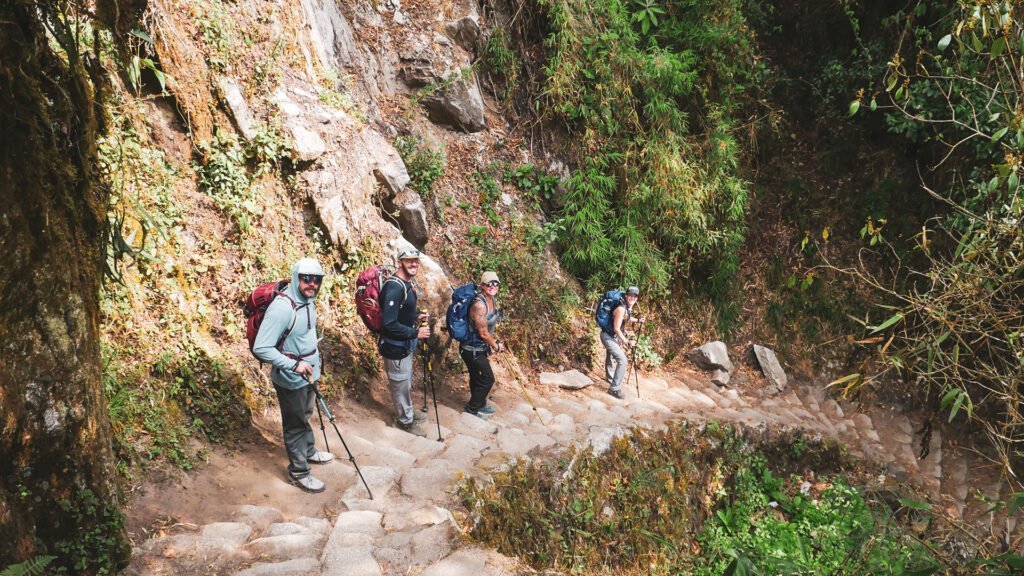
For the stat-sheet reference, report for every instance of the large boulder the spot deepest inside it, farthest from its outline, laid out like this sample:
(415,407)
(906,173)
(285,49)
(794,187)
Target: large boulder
(711,356)
(465,32)
(771,367)
(459,105)
(412,217)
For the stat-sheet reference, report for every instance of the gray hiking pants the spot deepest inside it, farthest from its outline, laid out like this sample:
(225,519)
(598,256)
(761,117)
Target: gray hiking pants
(400,386)
(296,410)
(614,355)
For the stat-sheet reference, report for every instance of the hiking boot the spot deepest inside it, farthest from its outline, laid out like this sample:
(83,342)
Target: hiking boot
(480,414)
(320,457)
(413,428)
(308,484)
(487,410)
(418,416)
(617,393)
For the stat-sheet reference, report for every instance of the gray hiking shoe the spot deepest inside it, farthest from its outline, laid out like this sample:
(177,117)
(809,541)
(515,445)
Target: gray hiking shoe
(308,483)
(487,410)
(617,393)
(413,428)
(481,414)
(320,457)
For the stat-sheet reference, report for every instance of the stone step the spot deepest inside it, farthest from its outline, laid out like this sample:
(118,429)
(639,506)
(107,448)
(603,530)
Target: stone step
(297,567)
(473,561)
(378,453)
(406,552)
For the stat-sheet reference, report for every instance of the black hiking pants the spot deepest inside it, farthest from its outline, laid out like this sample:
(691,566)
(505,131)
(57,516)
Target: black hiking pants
(481,379)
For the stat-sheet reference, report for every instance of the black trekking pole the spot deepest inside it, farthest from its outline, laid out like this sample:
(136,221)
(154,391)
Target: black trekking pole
(636,375)
(330,417)
(425,361)
(429,376)
(323,430)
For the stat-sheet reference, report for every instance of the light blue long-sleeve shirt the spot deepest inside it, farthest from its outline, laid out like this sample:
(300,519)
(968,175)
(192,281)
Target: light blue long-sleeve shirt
(301,340)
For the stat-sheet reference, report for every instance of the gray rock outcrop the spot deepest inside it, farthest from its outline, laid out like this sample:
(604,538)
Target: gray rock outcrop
(465,32)
(712,356)
(239,107)
(771,367)
(459,105)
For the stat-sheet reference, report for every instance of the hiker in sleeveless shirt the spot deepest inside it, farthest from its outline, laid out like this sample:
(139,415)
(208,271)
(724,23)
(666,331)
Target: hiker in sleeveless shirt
(400,332)
(296,364)
(615,363)
(483,318)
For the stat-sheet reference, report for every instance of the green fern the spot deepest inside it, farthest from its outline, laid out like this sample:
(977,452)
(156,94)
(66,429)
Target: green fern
(30,567)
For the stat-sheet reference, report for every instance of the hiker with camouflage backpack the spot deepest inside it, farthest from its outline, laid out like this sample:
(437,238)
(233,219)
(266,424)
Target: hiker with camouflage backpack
(613,311)
(401,331)
(286,339)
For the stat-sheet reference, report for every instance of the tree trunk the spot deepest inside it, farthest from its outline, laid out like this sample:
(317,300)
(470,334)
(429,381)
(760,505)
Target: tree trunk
(58,486)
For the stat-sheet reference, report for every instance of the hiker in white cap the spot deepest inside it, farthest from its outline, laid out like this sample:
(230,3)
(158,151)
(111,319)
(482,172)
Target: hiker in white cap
(400,332)
(483,319)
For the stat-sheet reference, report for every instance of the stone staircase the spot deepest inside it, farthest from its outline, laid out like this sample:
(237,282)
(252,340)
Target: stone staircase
(407,529)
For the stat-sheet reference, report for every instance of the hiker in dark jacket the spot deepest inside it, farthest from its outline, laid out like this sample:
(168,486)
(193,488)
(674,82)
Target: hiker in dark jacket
(615,363)
(400,332)
(483,318)
(296,366)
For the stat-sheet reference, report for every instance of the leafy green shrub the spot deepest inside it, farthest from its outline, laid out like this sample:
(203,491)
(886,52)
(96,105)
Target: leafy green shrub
(224,177)
(685,501)
(538,185)
(490,194)
(141,183)
(653,94)
(267,148)
(797,526)
(501,59)
(156,410)
(99,549)
(426,166)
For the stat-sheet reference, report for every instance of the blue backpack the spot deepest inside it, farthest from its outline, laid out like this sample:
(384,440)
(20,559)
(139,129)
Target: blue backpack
(457,316)
(611,300)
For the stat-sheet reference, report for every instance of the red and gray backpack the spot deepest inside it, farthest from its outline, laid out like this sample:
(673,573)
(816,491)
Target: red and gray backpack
(256,305)
(367,295)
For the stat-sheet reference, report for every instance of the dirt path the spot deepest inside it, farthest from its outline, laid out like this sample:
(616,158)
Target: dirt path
(237,515)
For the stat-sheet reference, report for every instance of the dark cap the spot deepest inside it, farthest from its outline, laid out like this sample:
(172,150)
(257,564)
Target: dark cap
(632,291)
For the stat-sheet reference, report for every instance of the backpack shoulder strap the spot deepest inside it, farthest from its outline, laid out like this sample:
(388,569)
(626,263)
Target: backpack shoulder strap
(291,325)
(405,291)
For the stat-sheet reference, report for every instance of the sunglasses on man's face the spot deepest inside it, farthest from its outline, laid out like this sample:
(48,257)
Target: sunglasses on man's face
(311,279)
(492,284)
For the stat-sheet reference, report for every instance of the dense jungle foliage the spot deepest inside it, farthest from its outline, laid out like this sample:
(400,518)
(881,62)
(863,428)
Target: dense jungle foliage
(655,97)
(664,103)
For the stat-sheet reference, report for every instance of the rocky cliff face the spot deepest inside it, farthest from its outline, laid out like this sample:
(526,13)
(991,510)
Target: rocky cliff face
(342,80)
